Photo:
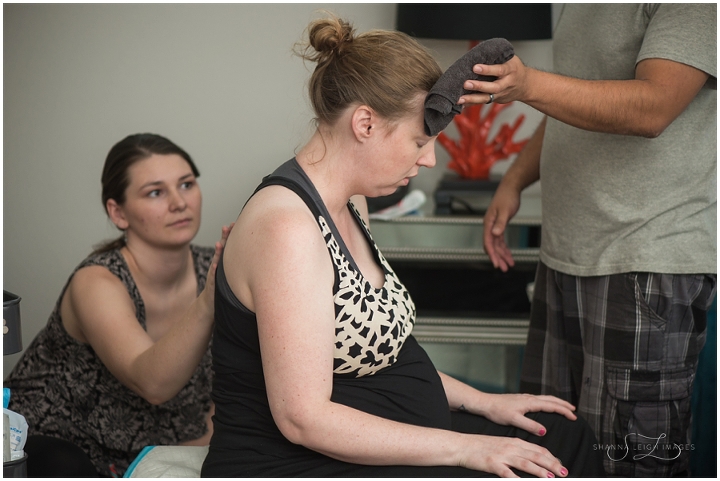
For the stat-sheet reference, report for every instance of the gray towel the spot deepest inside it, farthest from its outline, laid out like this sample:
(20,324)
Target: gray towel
(441,102)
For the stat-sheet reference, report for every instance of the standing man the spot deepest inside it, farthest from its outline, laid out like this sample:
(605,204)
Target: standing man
(627,155)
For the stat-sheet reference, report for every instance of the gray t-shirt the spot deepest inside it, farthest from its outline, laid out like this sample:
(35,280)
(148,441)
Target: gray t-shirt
(616,203)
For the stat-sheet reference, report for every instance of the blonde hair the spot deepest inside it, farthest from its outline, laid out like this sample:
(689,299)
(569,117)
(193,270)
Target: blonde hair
(382,69)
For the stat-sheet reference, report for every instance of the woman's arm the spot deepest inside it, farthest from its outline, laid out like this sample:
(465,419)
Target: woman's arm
(505,203)
(644,106)
(105,317)
(280,264)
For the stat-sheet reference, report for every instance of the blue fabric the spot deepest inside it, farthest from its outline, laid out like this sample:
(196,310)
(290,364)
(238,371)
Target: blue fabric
(137,460)
(703,458)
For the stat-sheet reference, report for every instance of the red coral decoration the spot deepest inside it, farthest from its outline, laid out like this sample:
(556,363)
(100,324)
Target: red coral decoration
(473,155)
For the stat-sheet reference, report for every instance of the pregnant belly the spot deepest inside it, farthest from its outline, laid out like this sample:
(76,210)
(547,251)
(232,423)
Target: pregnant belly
(409,391)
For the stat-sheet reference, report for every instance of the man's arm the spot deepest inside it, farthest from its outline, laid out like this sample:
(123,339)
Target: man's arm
(644,106)
(524,171)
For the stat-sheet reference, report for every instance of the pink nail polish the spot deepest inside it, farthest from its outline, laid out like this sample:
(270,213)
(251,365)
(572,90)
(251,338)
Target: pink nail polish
(550,475)
(563,471)
(541,432)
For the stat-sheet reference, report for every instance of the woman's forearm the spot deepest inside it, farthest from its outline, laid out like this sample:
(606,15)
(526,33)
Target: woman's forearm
(164,368)
(462,397)
(350,435)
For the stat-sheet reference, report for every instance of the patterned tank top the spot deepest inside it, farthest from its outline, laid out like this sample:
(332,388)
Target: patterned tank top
(65,391)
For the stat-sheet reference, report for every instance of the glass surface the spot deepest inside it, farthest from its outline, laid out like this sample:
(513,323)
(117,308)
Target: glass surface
(488,368)
(459,236)
(444,232)
(472,319)
(450,238)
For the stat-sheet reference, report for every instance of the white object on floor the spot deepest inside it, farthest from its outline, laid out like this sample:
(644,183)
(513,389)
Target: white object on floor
(168,462)
(411,202)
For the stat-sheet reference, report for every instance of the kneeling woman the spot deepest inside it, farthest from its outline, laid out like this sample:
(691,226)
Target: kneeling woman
(124,360)
(317,372)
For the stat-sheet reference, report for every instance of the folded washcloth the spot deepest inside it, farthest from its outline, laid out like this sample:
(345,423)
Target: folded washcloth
(441,102)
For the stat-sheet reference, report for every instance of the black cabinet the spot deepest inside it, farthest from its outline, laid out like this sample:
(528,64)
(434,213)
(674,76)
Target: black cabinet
(472,319)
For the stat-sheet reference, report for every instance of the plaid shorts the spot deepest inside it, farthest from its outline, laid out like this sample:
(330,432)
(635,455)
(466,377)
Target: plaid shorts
(622,348)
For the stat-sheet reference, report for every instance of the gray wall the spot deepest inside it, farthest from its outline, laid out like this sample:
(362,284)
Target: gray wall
(220,80)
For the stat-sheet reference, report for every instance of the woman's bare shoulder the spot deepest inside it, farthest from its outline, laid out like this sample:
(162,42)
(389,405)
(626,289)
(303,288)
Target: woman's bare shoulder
(93,293)
(275,239)
(93,278)
(277,213)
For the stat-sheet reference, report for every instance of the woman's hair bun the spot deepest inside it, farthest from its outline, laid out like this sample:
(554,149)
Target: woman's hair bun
(329,36)
(384,69)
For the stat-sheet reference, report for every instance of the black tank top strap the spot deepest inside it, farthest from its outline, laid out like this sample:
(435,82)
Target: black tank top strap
(295,187)
(291,176)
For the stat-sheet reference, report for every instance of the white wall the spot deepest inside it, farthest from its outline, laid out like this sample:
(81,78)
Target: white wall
(220,80)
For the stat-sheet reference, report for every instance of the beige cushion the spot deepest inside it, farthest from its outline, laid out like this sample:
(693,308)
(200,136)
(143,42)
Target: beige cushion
(169,462)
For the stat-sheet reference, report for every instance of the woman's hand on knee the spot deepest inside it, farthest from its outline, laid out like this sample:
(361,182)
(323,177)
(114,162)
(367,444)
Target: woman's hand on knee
(510,410)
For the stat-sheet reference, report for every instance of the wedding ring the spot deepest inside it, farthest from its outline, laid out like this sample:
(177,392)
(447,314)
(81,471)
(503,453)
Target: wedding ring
(492,98)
